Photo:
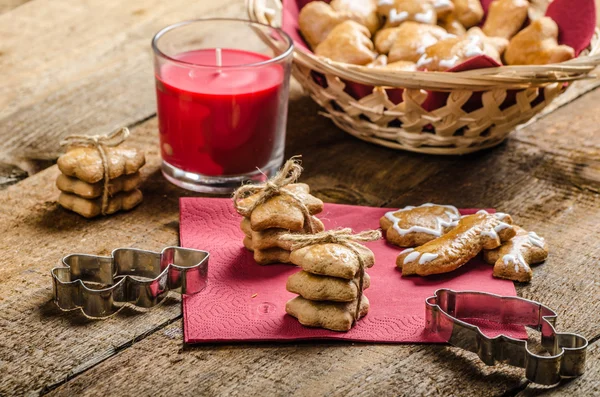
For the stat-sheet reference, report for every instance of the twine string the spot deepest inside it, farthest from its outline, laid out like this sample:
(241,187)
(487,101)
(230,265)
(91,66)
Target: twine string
(342,237)
(289,173)
(100,143)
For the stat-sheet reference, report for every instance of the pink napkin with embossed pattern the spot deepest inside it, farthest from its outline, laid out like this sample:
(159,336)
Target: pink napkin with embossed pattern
(246,302)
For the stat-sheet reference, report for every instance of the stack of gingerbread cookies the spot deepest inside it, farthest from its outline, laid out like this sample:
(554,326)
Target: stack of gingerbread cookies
(332,280)
(271,210)
(95,182)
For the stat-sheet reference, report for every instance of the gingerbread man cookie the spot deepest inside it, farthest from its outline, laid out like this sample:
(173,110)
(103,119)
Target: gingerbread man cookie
(396,12)
(537,44)
(449,252)
(348,42)
(408,41)
(505,18)
(512,260)
(413,226)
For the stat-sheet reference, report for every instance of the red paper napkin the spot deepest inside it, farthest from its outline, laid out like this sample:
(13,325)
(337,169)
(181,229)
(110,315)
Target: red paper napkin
(246,302)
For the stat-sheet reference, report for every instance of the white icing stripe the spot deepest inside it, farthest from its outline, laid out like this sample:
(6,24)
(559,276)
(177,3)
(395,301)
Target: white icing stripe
(386,2)
(426,258)
(536,240)
(396,16)
(449,63)
(411,257)
(424,17)
(501,226)
(501,215)
(490,233)
(452,213)
(482,212)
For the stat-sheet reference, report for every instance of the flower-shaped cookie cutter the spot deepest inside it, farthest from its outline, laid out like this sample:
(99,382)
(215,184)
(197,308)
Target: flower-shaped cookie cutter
(566,351)
(100,286)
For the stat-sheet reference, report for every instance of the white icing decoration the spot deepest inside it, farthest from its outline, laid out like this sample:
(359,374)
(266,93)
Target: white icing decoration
(427,40)
(473,48)
(424,17)
(411,257)
(424,60)
(408,250)
(508,259)
(449,63)
(452,213)
(482,212)
(536,240)
(518,261)
(426,258)
(490,233)
(501,215)
(516,268)
(441,3)
(386,2)
(501,226)
(396,16)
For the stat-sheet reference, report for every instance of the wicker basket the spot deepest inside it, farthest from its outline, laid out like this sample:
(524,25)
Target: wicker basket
(449,129)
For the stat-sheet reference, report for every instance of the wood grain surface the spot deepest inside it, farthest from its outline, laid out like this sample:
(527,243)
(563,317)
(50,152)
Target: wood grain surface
(546,175)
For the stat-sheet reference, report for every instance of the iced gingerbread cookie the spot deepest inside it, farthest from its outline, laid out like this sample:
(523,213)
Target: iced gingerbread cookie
(336,316)
(452,250)
(349,42)
(413,226)
(323,288)
(408,41)
(396,12)
(512,260)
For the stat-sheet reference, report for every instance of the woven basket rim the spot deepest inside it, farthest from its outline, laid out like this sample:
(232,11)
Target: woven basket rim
(502,77)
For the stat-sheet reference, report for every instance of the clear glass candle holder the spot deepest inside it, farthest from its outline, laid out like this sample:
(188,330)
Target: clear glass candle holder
(222,88)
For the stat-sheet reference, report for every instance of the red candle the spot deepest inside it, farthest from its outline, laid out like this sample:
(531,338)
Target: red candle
(218,122)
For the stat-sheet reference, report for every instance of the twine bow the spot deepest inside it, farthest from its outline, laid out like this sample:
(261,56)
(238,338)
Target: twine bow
(289,173)
(342,237)
(100,143)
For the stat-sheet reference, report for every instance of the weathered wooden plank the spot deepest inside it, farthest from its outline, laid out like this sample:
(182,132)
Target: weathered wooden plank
(517,177)
(89,67)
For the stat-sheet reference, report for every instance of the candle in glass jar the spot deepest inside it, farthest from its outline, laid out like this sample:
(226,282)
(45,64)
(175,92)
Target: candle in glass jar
(218,121)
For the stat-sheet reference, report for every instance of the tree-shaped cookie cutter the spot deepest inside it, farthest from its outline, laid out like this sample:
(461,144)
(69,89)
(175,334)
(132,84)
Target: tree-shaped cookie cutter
(100,286)
(566,351)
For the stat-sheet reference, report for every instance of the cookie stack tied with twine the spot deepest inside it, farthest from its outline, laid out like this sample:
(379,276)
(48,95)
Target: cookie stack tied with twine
(99,177)
(332,280)
(277,207)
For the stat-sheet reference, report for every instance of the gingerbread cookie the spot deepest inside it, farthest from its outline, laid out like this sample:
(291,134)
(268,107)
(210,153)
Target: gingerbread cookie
(335,316)
(92,208)
(94,190)
(323,288)
(493,47)
(361,11)
(537,44)
(85,163)
(449,252)
(452,25)
(512,260)
(332,259)
(505,18)
(450,52)
(349,42)
(408,41)
(268,256)
(413,226)
(468,12)
(271,238)
(282,211)
(396,12)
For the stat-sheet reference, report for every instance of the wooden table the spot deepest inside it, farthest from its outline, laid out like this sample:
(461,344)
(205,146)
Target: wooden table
(85,66)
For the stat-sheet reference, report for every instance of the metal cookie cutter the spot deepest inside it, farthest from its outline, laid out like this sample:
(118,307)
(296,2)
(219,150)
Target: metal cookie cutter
(101,285)
(567,351)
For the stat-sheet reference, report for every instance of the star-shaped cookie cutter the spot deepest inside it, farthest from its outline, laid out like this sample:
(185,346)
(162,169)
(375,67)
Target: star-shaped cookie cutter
(566,351)
(100,286)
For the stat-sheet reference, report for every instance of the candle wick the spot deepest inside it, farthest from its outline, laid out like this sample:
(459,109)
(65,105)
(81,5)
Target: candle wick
(219,56)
